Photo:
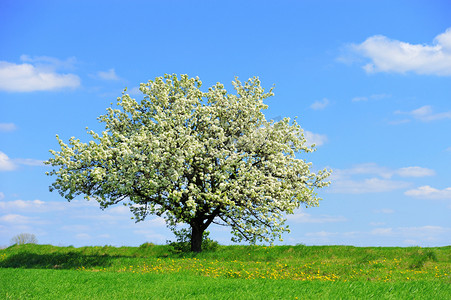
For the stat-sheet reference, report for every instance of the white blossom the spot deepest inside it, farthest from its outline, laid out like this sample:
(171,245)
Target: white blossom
(194,157)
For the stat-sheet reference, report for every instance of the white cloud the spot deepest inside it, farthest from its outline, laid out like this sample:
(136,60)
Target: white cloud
(426,114)
(384,211)
(398,122)
(83,236)
(153,230)
(321,104)
(384,172)
(76,227)
(119,210)
(428,192)
(151,223)
(151,236)
(5,163)
(359,99)
(375,179)
(315,138)
(410,242)
(2,196)
(135,92)
(21,204)
(380,96)
(387,55)
(382,231)
(324,237)
(108,75)
(426,233)
(8,164)
(421,112)
(372,97)
(365,168)
(415,172)
(29,162)
(15,219)
(321,234)
(33,206)
(82,203)
(27,77)
(6,127)
(377,223)
(50,63)
(302,217)
(429,231)
(370,185)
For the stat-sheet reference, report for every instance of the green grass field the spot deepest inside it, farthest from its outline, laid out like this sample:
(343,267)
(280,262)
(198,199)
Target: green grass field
(230,272)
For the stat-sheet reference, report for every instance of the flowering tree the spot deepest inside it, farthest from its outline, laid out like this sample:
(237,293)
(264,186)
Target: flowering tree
(194,157)
(24,238)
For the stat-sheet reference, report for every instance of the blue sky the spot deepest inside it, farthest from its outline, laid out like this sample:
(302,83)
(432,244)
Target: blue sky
(370,82)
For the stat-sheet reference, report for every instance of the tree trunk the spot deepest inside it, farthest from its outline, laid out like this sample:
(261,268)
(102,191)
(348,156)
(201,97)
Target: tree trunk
(196,237)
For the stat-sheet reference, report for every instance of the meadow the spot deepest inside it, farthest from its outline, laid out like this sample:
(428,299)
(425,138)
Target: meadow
(226,272)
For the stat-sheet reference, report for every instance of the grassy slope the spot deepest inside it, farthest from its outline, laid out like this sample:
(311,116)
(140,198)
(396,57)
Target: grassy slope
(44,271)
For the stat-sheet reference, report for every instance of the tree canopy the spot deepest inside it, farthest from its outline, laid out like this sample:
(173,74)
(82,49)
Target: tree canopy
(194,157)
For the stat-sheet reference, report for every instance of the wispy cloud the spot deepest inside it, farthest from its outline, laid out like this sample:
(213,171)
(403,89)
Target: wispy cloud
(359,99)
(425,233)
(320,104)
(108,75)
(372,178)
(35,74)
(7,127)
(428,192)
(8,164)
(384,211)
(15,219)
(29,162)
(426,114)
(303,217)
(32,206)
(388,55)
(365,168)
(371,97)
(321,234)
(384,172)
(83,236)
(134,92)
(52,63)
(364,186)
(76,227)
(377,223)
(382,231)
(420,235)
(20,204)
(315,138)
(414,172)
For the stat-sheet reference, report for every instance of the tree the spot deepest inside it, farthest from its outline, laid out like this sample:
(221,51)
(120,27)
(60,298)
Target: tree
(24,238)
(194,157)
